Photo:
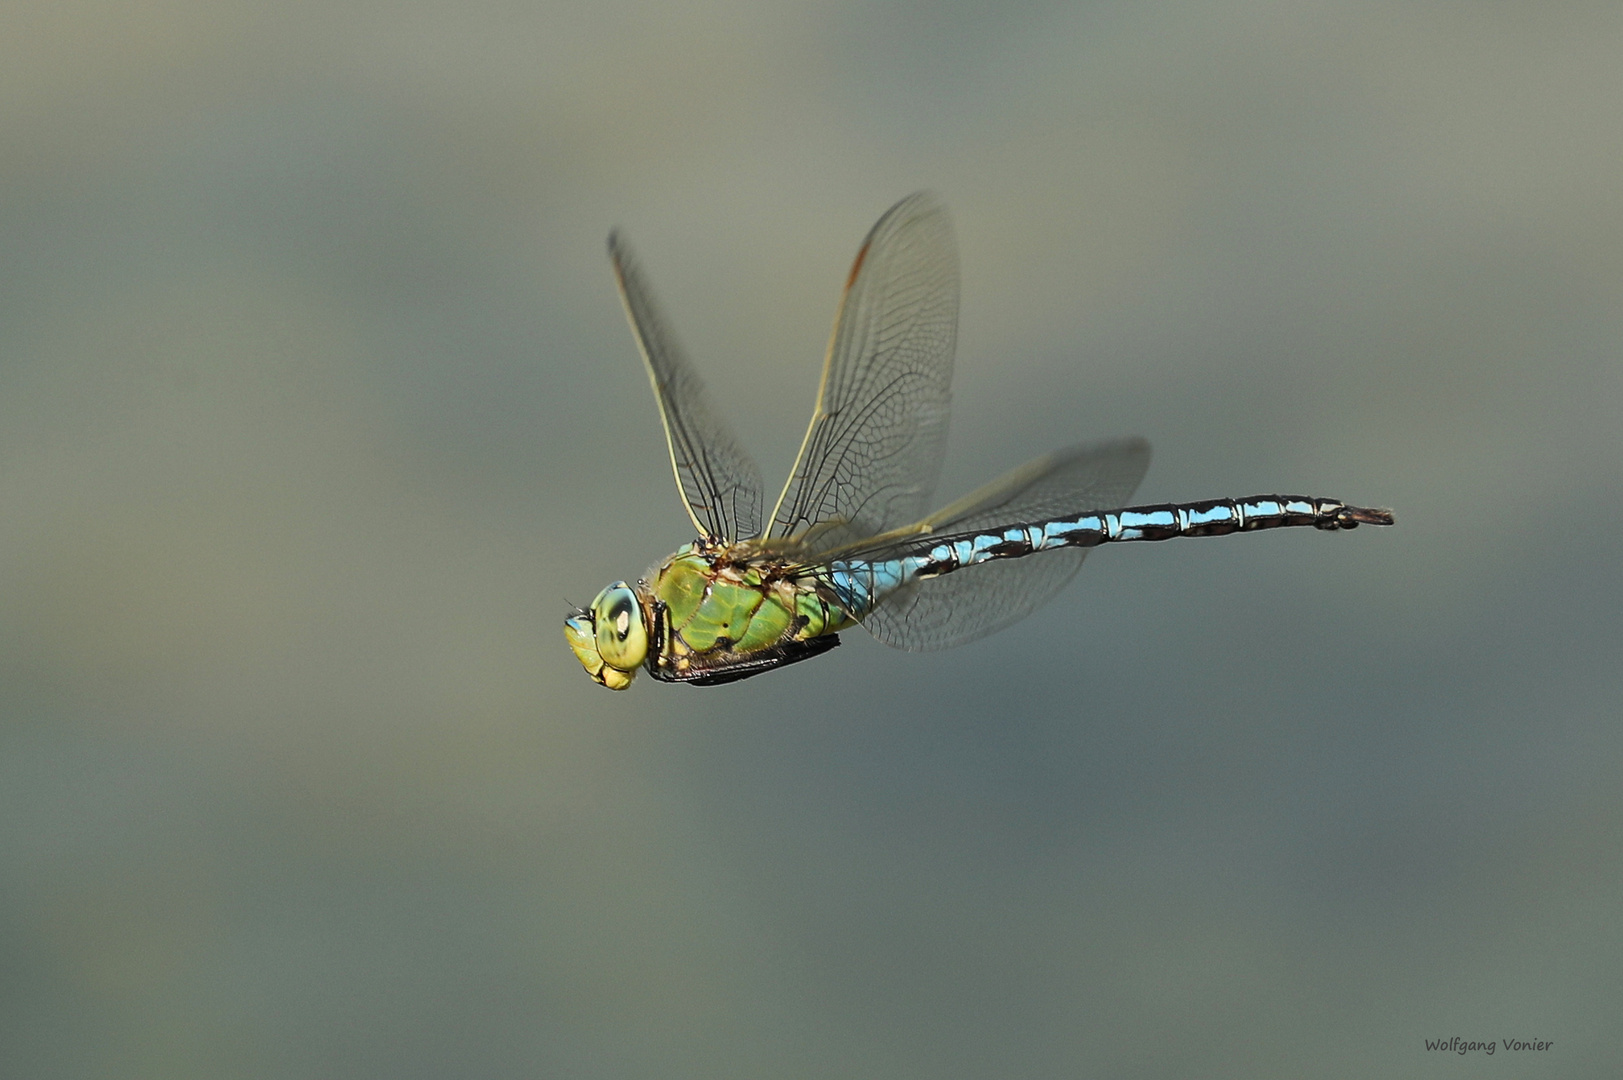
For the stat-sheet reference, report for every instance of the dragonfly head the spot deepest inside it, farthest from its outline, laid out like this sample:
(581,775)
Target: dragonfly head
(610,638)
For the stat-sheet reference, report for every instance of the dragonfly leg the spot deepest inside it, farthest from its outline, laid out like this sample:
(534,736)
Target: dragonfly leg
(732,669)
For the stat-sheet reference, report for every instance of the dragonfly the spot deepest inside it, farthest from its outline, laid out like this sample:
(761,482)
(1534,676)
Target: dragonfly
(849,540)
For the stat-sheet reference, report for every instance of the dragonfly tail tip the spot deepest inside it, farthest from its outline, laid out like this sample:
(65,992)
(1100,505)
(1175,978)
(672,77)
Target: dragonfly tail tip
(1352,516)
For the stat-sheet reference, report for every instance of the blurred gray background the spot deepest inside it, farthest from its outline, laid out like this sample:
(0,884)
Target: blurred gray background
(317,402)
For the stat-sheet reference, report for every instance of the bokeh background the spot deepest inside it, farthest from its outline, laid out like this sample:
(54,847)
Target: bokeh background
(317,402)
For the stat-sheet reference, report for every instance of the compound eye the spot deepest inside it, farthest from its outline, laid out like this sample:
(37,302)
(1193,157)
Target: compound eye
(622,639)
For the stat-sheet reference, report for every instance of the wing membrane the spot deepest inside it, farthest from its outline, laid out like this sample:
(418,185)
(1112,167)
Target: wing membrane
(1076,479)
(873,451)
(720,483)
(959,607)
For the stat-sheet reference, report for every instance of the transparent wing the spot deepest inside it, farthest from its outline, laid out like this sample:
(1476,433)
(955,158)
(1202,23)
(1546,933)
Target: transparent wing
(873,450)
(973,602)
(1073,480)
(720,483)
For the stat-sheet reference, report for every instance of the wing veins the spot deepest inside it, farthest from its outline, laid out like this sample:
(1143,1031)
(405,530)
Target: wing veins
(719,483)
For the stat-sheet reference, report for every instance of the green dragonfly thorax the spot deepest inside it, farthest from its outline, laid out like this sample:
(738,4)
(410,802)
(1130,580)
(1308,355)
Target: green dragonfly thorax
(708,609)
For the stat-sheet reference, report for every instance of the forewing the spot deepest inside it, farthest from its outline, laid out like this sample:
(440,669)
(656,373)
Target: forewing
(949,610)
(720,483)
(873,450)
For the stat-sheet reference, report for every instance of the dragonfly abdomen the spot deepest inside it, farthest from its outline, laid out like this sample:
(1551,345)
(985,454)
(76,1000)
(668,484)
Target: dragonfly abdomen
(863,584)
(1218,517)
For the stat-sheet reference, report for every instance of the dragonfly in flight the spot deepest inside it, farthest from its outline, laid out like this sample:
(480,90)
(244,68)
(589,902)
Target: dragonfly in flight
(849,540)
